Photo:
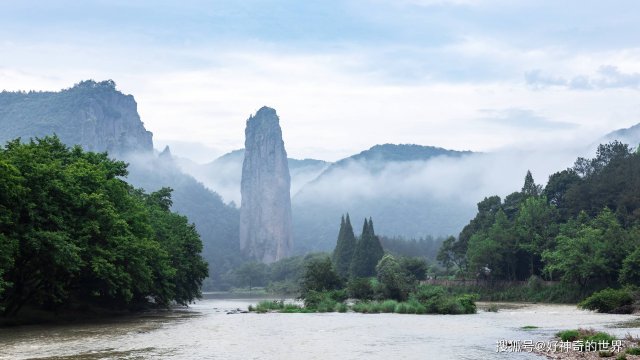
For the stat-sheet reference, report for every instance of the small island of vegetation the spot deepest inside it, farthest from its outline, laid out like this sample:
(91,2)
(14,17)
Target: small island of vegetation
(359,277)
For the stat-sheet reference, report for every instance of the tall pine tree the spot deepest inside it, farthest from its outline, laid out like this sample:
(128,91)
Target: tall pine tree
(367,253)
(345,247)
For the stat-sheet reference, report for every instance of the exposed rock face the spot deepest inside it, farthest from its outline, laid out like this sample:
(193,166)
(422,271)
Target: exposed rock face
(92,114)
(265,212)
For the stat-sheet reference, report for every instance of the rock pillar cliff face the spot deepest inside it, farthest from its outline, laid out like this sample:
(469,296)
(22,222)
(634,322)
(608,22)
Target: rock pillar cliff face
(265,211)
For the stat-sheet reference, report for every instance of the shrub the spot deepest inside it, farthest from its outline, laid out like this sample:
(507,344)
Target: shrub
(609,301)
(326,305)
(313,298)
(342,307)
(593,341)
(360,288)
(630,271)
(468,303)
(633,351)
(402,308)
(596,341)
(416,307)
(388,306)
(569,335)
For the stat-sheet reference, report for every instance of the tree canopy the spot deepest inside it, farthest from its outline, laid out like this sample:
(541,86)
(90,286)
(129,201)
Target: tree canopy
(74,234)
(583,227)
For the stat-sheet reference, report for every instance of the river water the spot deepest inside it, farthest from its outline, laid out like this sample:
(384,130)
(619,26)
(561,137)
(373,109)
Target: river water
(206,331)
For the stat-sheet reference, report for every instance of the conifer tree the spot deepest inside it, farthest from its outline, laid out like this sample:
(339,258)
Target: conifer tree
(530,188)
(367,253)
(345,247)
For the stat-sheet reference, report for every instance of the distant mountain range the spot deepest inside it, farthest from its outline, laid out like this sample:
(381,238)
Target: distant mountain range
(409,190)
(322,191)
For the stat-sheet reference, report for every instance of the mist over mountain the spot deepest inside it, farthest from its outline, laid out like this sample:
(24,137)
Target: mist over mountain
(629,135)
(387,182)
(224,173)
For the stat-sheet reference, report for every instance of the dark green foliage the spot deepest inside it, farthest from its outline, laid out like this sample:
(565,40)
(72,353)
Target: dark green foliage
(277,305)
(216,222)
(416,268)
(453,253)
(395,281)
(630,272)
(609,301)
(582,229)
(436,300)
(360,288)
(589,253)
(633,351)
(319,276)
(367,253)
(324,301)
(591,340)
(345,248)
(569,335)
(530,188)
(75,234)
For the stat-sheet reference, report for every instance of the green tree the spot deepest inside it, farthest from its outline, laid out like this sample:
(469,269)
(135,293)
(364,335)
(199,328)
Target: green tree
(77,234)
(367,253)
(393,278)
(630,272)
(585,252)
(530,188)
(345,247)
(416,268)
(535,227)
(450,254)
(319,276)
(493,250)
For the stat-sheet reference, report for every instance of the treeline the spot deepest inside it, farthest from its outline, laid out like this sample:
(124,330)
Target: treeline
(582,228)
(426,248)
(74,235)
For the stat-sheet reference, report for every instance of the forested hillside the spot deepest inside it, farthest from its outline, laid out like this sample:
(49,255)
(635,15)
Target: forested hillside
(582,228)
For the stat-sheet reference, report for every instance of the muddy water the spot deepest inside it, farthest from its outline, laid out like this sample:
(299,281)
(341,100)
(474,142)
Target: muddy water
(206,331)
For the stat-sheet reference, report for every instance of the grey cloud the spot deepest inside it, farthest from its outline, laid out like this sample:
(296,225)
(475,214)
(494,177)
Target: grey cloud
(607,77)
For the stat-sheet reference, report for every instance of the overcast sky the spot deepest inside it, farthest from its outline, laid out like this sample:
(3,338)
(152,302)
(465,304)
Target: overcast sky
(343,75)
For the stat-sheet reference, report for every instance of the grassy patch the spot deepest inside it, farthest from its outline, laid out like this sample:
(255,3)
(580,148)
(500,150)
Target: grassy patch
(633,351)
(592,340)
(277,306)
(529,327)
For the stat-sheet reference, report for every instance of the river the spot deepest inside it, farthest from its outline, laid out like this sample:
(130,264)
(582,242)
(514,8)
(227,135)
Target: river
(206,331)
